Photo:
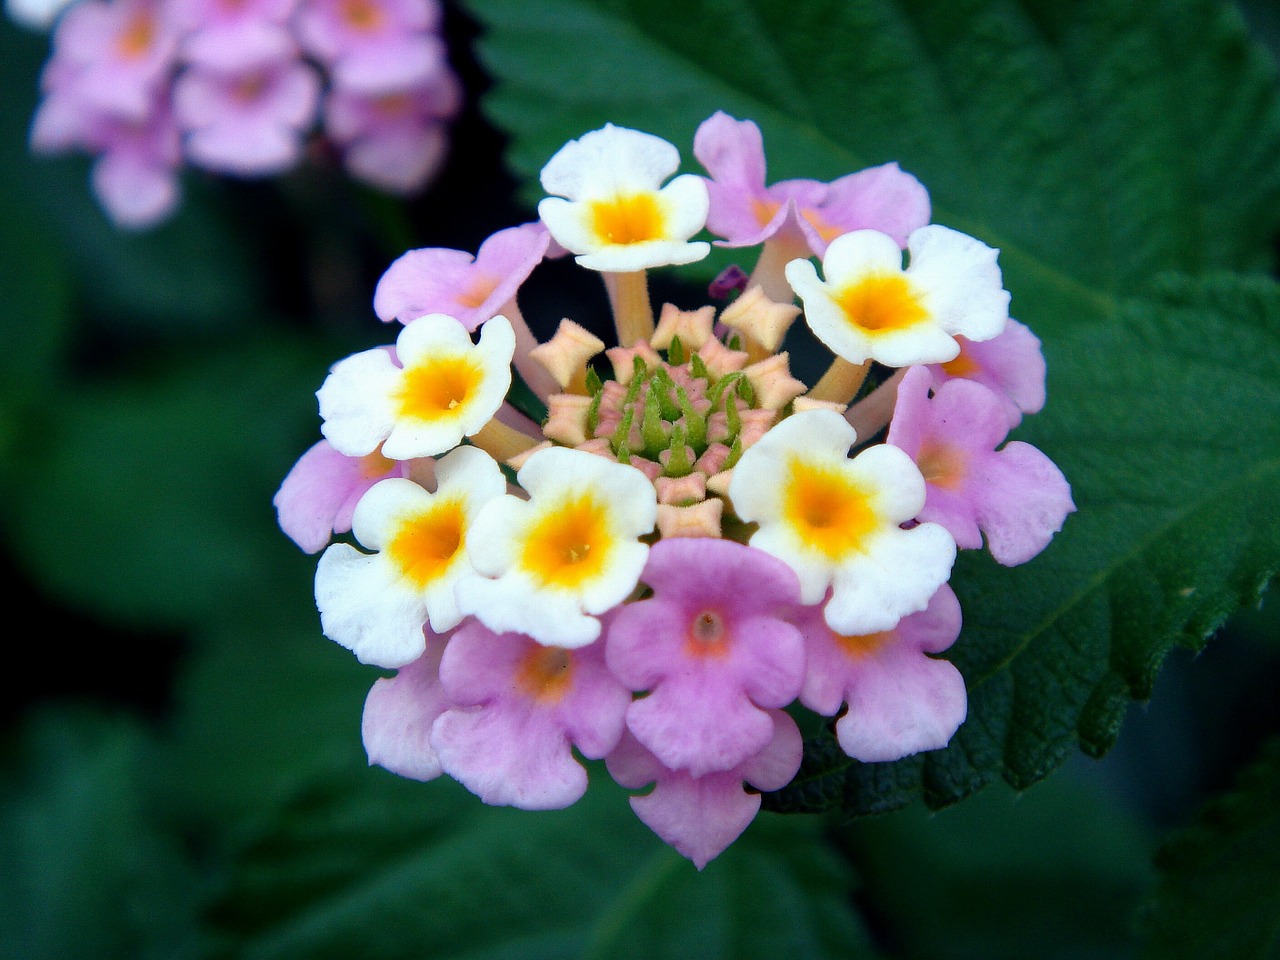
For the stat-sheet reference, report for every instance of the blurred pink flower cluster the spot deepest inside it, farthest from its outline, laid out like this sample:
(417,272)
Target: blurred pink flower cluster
(236,87)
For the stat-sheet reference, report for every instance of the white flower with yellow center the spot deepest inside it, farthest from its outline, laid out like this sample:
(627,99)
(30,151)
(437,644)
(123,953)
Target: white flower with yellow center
(446,388)
(610,206)
(870,308)
(551,563)
(836,521)
(376,604)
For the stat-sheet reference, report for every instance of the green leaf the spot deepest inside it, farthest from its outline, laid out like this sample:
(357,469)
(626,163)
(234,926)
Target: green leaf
(321,856)
(374,866)
(1061,867)
(150,498)
(1098,145)
(1219,892)
(85,868)
(1093,143)
(1178,527)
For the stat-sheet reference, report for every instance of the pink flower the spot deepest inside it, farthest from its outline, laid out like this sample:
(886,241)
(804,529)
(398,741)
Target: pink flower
(248,122)
(1016,496)
(320,493)
(135,175)
(399,713)
(394,141)
(519,710)
(713,651)
(701,816)
(1011,364)
(470,289)
(746,212)
(374,46)
(114,56)
(233,36)
(901,701)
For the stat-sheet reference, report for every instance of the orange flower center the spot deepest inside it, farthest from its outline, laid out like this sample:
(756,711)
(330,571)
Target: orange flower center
(425,547)
(545,674)
(626,220)
(828,511)
(881,303)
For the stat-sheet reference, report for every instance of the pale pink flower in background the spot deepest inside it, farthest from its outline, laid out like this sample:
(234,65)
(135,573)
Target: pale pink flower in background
(234,36)
(394,141)
(247,123)
(374,46)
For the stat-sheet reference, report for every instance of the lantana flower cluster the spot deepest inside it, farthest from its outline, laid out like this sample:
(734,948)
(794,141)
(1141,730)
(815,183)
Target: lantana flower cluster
(692,544)
(237,86)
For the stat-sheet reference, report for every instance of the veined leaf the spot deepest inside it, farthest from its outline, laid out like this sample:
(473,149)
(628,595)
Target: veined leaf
(1093,143)
(1174,458)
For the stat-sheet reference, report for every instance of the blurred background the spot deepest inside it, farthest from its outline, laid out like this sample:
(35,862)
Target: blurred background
(181,771)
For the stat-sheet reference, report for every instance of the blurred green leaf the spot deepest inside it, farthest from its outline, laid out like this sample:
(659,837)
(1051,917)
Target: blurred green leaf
(150,498)
(1219,892)
(324,857)
(1060,866)
(1178,527)
(85,869)
(376,867)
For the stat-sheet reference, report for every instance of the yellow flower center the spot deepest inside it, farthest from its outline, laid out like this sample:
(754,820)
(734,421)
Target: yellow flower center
(479,291)
(425,547)
(437,388)
(963,365)
(545,674)
(375,464)
(881,303)
(858,648)
(941,464)
(364,16)
(707,636)
(137,37)
(828,511)
(625,220)
(569,545)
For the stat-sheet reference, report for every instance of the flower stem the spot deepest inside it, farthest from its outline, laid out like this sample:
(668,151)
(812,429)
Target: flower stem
(501,441)
(841,381)
(632,312)
(777,252)
(873,412)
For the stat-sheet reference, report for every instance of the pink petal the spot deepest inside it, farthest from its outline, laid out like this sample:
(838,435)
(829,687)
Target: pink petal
(399,713)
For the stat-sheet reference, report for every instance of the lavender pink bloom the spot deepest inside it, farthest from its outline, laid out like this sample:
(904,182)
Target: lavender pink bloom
(247,123)
(713,651)
(1016,496)
(453,282)
(746,212)
(1011,364)
(320,493)
(701,816)
(519,710)
(113,57)
(400,711)
(233,36)
(374,46)
(900,700)
(394,141)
